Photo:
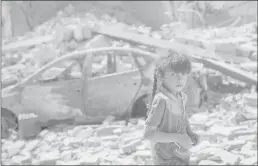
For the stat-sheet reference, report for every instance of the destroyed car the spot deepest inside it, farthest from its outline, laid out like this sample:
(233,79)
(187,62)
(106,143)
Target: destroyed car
(76,93)
(88,99)
(66,95)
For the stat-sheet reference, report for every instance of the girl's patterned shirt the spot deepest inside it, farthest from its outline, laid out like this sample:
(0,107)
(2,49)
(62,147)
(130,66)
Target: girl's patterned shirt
(168,115)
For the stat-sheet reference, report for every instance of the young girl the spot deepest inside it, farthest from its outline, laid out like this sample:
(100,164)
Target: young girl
(167,126)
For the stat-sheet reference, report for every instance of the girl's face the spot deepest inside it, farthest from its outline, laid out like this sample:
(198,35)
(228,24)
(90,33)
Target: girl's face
(174,81)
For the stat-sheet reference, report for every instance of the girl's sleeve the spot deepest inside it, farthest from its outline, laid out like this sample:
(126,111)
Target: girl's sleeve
(156,113)
(185,98)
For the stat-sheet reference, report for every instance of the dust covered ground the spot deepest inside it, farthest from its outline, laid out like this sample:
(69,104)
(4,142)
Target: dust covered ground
(228,129)
(228,136)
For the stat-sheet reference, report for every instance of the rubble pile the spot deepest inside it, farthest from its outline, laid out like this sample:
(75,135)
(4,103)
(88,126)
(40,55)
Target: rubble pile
(228,130)
(228,137)
(69,31)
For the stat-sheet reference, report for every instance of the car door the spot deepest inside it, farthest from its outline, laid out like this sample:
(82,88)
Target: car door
(54,95)
(112,93)
(61,96)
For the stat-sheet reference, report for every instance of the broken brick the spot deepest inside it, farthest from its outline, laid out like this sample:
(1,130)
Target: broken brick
(78,33)
(208,162)
(67,155)
(89,160)
(21,159)
(110,138)
(93,142)
(15,148)
(105,131)
(49,158)
(229,158)
(234,144)
(131,147)
(31,145)
(249,161)
(143,154)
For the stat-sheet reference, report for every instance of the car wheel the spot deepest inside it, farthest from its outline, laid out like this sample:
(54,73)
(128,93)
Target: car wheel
(139,108)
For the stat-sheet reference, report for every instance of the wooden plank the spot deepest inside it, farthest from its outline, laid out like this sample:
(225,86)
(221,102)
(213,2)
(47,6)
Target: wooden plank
(230,71)
(119,31)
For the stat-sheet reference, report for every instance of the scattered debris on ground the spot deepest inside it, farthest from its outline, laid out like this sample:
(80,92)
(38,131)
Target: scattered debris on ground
(227,138)
(228,128)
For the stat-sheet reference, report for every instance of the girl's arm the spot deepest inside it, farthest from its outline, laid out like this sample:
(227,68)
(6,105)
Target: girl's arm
(188,128)
(153,121)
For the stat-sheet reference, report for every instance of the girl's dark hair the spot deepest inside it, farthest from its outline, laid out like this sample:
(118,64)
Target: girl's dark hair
(154,87)
(179,63)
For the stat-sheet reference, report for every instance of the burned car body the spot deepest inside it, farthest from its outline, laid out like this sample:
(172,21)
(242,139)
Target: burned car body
(88,99)
(83,97)
(63,97)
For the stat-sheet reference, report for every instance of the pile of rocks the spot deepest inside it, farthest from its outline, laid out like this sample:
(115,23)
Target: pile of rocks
(70,32)
(226,138)
(113,144)
(229,131)
(229,137)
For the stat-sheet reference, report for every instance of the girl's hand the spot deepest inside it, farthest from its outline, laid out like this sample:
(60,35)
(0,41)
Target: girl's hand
(195,138)
(185,141)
